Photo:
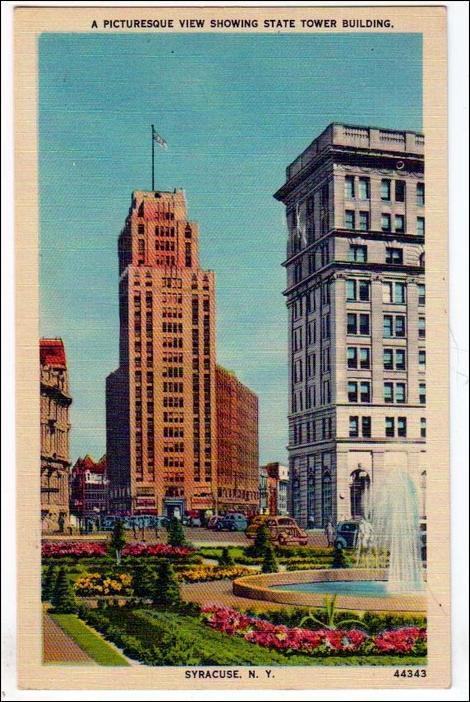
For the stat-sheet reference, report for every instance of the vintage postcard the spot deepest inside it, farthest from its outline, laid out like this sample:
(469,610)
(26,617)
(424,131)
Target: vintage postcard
(232,359)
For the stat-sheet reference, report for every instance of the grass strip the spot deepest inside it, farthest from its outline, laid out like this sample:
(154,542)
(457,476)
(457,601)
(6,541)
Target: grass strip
(89,641)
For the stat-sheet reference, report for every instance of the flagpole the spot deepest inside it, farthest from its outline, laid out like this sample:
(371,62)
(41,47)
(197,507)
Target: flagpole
(153,158)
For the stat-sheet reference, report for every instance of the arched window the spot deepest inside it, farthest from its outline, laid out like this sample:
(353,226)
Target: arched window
(422,260)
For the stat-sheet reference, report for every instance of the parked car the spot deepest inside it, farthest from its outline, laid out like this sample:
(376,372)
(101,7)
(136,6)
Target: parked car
(346,533)
(282,531)
(232,522)
(213,521)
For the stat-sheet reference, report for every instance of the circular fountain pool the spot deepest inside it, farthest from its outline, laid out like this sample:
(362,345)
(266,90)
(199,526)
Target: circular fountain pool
(358,589)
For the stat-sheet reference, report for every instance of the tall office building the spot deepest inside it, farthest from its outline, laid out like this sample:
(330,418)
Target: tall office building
(55,428)
(161,420)
(237,444)
(356,301)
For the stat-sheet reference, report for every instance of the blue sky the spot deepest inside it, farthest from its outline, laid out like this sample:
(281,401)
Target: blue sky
(235,110)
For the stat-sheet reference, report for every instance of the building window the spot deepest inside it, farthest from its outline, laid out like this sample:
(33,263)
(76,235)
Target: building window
(386,189)
(422,393)
(311,333)
(357,290)
(394,325)
(298,272)
(364,392)
(390,427)
(358,324)
(401,427)
(388,392)
(422,327)
(350,219)
(420,226)
(352,391)
(423,427)
(400,393)
(352,356)
(364,188)
(394,256)
(353,427)
(363,221)
(421,294)
(400,191)
(357,253)
(364,358)
(399,296)
(366,424)
(399,224)
(311,365)
(349,191)
(400,359)
(420,194)
(388,326)
(359,392)
(386,222)
(311,263)
(422,359)
(394,359)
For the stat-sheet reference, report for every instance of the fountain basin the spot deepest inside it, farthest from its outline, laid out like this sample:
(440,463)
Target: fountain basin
(313,587)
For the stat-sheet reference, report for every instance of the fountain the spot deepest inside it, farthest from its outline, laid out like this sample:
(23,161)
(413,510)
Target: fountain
(393,533)
(388,573)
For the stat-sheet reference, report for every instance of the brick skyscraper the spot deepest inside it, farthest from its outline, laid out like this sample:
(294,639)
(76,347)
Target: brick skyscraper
(356,298)
(237,444)
(161,419)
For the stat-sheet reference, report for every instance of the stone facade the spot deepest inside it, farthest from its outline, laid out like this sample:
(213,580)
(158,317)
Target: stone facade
(55,427)
(356,303)
(160,402)
(237,445)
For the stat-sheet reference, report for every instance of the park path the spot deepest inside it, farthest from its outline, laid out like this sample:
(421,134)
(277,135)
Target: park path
(58,647)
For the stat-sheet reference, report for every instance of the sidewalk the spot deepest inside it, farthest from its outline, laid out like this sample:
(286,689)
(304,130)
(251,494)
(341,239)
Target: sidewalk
(60,648)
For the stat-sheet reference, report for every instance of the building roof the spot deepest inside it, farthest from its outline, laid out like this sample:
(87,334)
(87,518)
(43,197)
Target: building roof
(52,353)
(89,463)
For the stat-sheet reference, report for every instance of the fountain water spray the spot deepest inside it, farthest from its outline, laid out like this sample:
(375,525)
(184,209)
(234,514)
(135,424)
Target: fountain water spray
(394,531)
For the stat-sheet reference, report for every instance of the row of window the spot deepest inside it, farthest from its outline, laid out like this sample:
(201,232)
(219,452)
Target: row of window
(394,427)
(359,188)
(394,325)
(360,392)
(361,222)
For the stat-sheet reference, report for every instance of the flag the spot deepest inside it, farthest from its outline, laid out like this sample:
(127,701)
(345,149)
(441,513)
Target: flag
(300,226)
(160,140)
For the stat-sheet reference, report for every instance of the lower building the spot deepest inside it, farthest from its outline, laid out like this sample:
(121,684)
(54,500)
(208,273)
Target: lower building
(276,490)
(237,445)
(55,427)
(89,488)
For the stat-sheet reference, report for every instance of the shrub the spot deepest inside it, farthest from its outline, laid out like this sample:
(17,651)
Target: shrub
(48,583)
(166,589)
(100,584)
(225,558)
(269,561)
(176,536)
(339,560)
(260,544)
(144,580)
(117,540)
(63,599)
(207,573)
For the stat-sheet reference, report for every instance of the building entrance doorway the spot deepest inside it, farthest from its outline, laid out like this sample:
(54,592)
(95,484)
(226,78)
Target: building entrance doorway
(360,494)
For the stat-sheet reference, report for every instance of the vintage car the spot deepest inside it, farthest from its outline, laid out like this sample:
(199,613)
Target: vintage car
(282,530)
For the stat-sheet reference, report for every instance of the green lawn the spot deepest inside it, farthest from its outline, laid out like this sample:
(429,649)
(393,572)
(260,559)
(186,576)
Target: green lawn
(96,647)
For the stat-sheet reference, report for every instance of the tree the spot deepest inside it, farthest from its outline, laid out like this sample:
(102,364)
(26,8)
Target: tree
(339,559)
(261,542)
(48,583)
(144,579)
(118,540)
(269,560)
(166,586)
(225,558)
(176,535)
(63,598)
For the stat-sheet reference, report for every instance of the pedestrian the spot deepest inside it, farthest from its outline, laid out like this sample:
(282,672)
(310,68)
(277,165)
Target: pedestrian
(330,532)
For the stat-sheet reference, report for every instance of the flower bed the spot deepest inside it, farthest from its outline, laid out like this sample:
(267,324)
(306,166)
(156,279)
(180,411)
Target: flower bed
(75,549)
(99,584)
(82,549)
(409,640)
(202,574)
